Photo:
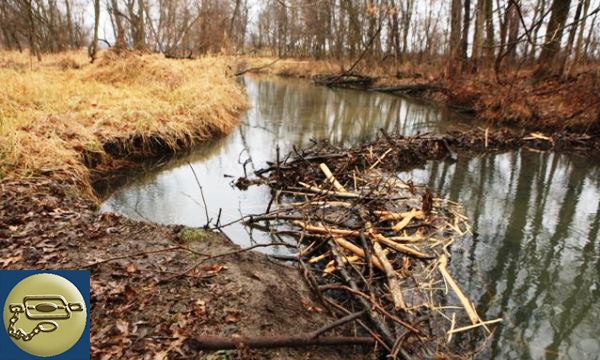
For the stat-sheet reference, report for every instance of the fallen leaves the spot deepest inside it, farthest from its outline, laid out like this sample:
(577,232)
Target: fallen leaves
(4,263)
(231,318)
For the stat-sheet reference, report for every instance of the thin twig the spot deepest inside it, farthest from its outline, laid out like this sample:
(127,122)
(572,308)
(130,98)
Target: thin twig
(202,194)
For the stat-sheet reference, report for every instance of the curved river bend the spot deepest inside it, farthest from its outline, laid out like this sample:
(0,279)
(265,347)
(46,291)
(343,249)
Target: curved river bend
(534,259)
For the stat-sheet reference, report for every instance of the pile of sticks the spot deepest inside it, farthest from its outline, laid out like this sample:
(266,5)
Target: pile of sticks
(370,242)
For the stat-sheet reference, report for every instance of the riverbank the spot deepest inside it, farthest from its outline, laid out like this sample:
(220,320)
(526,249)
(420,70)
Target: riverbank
(145,302)
(66,123)
(568,104)
(67,119)
(154,286)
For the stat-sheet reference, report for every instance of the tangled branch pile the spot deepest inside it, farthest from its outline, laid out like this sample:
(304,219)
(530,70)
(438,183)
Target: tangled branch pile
(369,242)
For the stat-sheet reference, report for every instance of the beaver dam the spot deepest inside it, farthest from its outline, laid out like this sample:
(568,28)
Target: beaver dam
(532,256)
(374,249)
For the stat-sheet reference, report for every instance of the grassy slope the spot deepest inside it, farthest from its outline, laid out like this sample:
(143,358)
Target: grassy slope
(54,111)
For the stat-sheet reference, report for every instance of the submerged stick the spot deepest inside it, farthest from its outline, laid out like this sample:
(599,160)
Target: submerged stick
(469,327)
(202,194)
(466,303)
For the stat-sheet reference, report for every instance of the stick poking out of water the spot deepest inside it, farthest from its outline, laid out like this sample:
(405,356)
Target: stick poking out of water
(201,194)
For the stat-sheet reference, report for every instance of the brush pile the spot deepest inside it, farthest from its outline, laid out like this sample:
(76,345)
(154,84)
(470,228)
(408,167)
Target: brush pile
(372,244)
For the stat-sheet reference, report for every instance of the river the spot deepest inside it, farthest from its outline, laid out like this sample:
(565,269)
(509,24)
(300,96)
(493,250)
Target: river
(534,258)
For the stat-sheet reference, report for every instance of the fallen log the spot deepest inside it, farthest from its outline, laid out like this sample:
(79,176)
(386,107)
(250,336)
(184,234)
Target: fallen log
(209,342)
(411,88)
(349,80)
(254,69)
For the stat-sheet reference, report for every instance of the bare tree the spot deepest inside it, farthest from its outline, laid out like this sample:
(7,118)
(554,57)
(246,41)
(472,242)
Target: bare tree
(551,46)
(93,49)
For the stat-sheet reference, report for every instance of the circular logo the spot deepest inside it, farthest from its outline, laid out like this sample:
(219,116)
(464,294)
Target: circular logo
(45,315)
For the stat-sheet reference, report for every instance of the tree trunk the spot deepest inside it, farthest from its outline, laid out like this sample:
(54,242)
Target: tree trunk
(478,32)
(33,45)
(489,25)
(465,31)
(141,31)
(588,40)
(551,47)
(539,11)
(94,44)
(70,24)
(586,7)
(232,21)
(571,38)
(513,32)
(120,40)
(455,37)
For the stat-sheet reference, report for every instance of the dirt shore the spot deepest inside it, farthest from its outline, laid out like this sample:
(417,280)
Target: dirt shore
(141,308)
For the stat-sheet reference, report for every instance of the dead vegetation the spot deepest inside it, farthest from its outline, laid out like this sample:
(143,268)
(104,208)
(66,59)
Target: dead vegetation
(61,113)
(140,308)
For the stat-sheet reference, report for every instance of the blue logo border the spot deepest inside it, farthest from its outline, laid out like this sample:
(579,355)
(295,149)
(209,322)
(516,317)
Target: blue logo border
(81,279)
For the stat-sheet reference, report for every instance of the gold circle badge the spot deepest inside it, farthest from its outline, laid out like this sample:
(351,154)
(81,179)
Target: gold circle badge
(45,315)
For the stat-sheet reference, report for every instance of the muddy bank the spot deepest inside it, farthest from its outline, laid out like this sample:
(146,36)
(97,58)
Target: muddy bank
(140,306)
(553,104)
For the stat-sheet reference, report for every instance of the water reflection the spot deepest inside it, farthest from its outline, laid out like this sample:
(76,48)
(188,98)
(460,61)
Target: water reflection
(284,113)
(534,259)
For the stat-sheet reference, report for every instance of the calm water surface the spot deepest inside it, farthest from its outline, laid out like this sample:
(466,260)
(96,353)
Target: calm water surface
(534,259)
(284,113)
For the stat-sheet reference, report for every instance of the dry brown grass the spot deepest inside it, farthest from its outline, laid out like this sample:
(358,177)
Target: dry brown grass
(386,71)
(54,111)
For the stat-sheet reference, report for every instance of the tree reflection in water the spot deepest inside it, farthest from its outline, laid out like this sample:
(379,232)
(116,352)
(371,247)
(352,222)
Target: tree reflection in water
(534,259)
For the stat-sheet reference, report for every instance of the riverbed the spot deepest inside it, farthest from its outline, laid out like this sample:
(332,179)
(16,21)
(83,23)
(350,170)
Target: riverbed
(533,258)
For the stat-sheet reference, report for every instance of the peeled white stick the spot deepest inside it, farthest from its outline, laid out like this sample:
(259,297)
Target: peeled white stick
(443,268)
(331,178)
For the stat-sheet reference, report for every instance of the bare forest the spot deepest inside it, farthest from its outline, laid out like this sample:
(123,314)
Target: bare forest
(466,35)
